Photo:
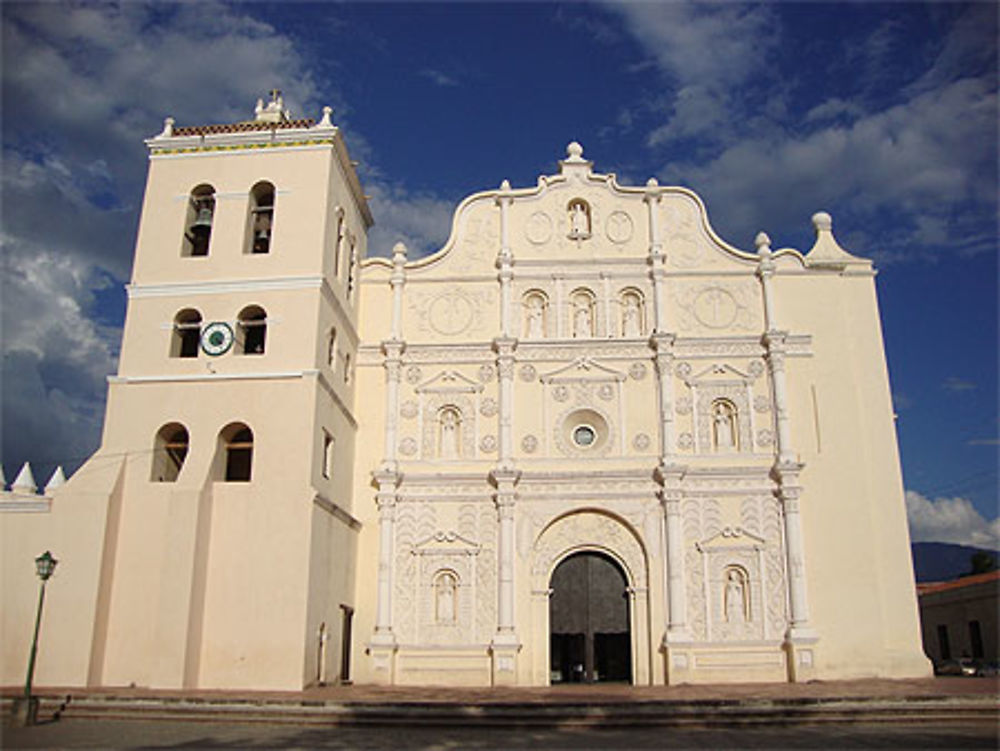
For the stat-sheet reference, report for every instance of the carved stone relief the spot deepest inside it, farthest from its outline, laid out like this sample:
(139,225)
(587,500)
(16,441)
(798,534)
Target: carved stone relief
(488,407)
(618,227)
(528,373)
(465,429)
(684,240)
(451,312)
(637,370)
(594,531)
(538,228)
(718,306)
(409,409)
(529,444)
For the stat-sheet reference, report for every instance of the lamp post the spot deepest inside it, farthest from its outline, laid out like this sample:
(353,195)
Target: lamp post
(45,564)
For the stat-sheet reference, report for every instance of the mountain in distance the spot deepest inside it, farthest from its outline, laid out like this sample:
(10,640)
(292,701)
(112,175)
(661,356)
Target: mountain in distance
(942,561)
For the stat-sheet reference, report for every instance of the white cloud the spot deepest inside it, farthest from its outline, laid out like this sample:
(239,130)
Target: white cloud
(920,159)
(87,83)
(438,78)
(713,54)
(952,520)
(420,220)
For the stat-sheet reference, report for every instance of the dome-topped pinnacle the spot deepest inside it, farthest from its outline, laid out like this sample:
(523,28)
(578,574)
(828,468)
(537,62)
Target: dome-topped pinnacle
(822,221)
(574,152)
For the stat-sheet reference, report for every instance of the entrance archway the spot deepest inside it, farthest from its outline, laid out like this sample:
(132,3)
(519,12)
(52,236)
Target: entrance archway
(589,621)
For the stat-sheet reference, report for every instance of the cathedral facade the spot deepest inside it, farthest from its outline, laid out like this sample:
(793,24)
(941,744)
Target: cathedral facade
(586,440)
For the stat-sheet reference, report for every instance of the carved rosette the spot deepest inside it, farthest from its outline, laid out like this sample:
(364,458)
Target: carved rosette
(528,373)
(529,444)
(637,371)
(488,407)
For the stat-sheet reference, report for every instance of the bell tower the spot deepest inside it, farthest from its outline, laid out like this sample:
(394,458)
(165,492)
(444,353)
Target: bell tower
(232,526)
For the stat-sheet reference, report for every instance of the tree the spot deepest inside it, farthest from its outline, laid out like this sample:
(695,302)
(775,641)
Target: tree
(982,562)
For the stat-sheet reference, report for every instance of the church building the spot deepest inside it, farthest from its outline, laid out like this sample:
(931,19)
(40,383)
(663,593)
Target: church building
(586,440)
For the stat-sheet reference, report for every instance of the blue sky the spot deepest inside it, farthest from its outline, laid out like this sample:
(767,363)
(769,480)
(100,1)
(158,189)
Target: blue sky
(885,115)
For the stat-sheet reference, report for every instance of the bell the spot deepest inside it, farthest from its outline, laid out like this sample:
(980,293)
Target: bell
(202,222)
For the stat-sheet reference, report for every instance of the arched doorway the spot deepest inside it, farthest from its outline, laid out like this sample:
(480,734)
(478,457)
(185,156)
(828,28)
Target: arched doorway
(589,631)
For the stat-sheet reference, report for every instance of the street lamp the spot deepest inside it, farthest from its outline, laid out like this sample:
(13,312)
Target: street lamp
(45,564)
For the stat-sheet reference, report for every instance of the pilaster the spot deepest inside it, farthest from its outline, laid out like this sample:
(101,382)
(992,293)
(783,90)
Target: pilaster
(383,642)
(505,645)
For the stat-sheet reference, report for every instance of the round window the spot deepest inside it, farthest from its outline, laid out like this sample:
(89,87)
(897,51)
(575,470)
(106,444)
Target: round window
(584,436)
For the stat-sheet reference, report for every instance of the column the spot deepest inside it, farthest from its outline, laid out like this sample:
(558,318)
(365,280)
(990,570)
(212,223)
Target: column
(393,351)
(396,281)
(505,259)
(663,345)
(800,638)
(505,645)
(657,259)
(383,642)
(504,347)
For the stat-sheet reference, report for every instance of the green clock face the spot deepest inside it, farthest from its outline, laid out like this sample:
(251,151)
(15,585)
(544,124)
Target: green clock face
(216,338)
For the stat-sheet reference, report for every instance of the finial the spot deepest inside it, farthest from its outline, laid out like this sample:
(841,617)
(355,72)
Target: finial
(399,253)
(763,243)
(326,121)
(574,152)
(25,480)
(168,128)
(822,221)
(652,182)
(505,185)
(57,479)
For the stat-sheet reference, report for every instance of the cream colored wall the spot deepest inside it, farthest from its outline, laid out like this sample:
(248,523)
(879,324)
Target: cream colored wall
(854,523)
(74,530)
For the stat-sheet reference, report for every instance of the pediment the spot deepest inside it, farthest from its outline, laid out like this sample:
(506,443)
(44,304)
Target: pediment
(445,543)
(583,369)
(723,372)
(731,537)
(449,382)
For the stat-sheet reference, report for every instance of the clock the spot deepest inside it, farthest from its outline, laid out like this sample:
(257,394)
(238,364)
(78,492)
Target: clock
(216,338)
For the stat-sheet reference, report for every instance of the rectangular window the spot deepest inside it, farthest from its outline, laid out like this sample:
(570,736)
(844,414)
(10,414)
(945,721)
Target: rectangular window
(976,638)
(327,455)
(943,645)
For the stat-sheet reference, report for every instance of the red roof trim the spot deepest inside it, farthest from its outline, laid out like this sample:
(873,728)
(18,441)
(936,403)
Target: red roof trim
(249,125)
(965,581)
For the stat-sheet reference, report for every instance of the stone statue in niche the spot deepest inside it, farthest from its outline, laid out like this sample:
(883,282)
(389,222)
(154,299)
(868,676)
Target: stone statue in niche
(535,318)
(724,425)
(631,327)
(735,598)
(579,220)
(583,327)
(449,429)
(444,598)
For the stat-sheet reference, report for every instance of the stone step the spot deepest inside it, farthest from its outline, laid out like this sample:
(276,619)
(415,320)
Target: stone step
(709,713)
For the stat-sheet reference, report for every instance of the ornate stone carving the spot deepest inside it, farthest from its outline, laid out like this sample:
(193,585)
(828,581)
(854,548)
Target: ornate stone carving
(528,373)
(718,306)
(451,312)
(487,373)
(761,403)
(488,444)
(606,391)
(683,405)
(408,446)
(560,393)
(529,444)
(683,369)
(538,228)
(755,368)
(685,441)
(464,427)
(414,374)
(488,407)
(409,409)
(618,227)
(637,370)
(765,437)
(640,442)
(594,531)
